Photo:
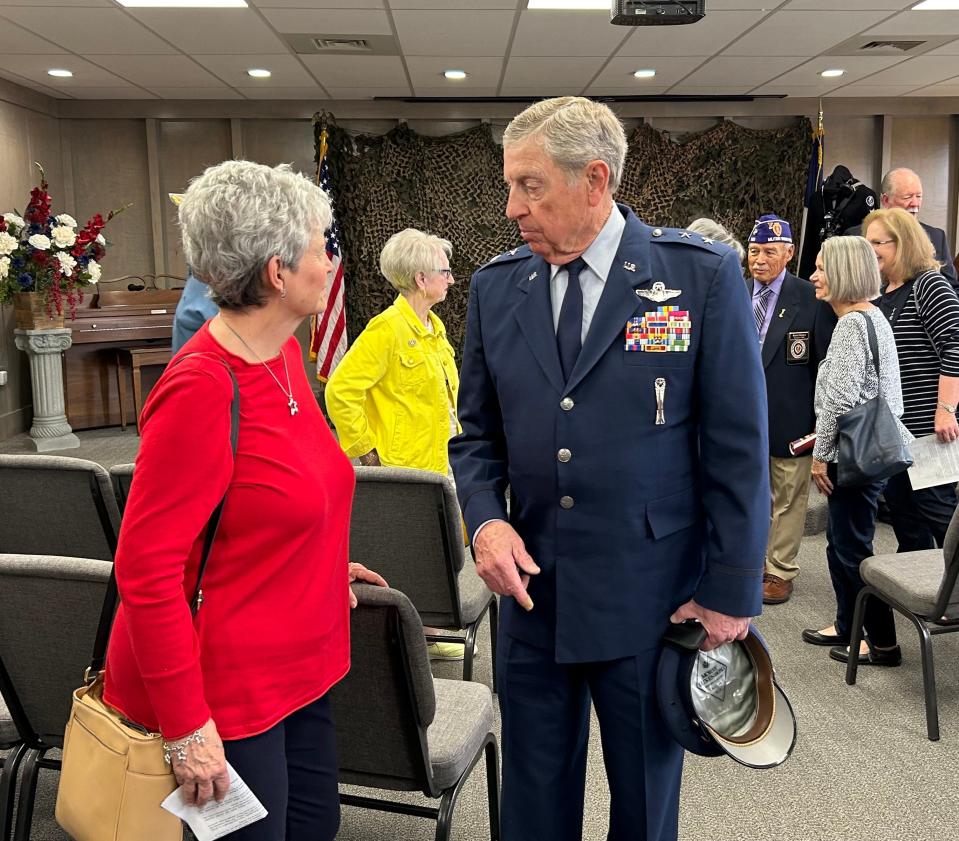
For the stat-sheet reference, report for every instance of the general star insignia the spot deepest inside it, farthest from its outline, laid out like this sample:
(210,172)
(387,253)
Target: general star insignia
(684,235)
(658,293)
(708,241)
(513,252)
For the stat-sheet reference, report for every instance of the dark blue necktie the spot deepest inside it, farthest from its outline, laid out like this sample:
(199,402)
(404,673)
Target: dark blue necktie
(569,331)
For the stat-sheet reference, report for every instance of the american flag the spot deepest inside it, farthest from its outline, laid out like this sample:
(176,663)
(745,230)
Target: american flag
(328,329)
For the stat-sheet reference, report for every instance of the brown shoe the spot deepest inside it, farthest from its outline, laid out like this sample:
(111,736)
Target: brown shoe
(776,590)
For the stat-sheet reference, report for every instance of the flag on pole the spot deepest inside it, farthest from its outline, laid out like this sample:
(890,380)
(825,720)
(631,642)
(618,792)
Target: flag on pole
(811,222)
(815,177)
(328,328)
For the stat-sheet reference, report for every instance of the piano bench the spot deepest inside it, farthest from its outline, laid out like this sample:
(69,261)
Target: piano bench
(136,358)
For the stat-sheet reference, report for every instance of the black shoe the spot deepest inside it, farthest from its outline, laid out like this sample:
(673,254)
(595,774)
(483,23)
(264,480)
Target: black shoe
(817,638)
(892,657)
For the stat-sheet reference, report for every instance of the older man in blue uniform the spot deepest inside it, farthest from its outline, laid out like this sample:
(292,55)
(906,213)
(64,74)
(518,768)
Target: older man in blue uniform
(611,380)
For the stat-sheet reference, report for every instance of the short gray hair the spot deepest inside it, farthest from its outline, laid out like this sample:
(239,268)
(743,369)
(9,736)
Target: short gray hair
(408,252)
(852,270)
(888,185)
(574,131)
(239,214)
(711,229)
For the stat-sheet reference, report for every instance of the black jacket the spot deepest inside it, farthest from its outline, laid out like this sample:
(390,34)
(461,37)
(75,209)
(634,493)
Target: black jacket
(796,342)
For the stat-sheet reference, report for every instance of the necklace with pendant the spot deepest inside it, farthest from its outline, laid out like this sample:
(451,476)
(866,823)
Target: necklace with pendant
(288,391)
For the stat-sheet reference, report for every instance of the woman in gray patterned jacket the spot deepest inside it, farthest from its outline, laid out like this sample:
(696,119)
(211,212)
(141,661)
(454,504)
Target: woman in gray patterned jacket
(847,276)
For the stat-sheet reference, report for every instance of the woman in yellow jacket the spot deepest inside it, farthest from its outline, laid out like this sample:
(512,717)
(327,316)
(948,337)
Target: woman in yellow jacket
(392,398)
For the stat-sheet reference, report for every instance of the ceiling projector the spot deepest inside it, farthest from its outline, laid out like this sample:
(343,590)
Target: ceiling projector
(656,12)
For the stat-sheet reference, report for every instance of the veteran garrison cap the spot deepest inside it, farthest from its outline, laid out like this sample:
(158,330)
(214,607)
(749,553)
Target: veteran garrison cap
(724,701)
(770,228)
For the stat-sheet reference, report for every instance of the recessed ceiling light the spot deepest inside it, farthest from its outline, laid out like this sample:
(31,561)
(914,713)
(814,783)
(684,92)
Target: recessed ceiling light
(935,5)
(60,74)
(183,4)
(569,4)
(258,73)
(645,74)
(454,74)
(832,74)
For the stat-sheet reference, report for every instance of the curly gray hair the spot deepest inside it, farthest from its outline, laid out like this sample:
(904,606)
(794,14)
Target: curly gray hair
(237,215)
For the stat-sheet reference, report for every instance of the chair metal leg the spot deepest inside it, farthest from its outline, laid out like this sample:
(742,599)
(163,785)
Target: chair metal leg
(469,651)
(855,635)
(28,791)
(8,785)
(444,821)
(493,634)
(928,680)
(492,788)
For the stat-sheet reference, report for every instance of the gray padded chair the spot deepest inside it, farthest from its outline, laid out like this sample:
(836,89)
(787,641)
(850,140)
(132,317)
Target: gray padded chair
(922,587)
(406,525)
(122,477)
(51,609)
(54,505)
(398,728)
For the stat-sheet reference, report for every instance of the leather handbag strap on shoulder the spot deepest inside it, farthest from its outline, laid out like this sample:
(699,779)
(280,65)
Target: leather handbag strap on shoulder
(111,596)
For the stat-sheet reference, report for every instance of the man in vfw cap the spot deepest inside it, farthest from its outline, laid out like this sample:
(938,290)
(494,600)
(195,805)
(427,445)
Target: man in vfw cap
(793,330)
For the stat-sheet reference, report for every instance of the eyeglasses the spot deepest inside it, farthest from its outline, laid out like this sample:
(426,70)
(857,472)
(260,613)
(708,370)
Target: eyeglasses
(448,273)
(875,243)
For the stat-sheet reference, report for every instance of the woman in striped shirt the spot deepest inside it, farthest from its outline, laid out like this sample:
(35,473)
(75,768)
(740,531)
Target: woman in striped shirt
(924,313)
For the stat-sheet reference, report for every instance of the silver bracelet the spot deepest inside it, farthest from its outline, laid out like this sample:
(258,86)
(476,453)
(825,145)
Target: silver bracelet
(177,750)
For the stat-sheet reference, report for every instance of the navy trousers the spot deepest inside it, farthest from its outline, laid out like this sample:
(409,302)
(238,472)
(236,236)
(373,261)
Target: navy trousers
(292,770)
(545,710)
(919,518)
(849,534)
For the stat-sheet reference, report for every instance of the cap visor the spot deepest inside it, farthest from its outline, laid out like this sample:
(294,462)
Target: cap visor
(772,749)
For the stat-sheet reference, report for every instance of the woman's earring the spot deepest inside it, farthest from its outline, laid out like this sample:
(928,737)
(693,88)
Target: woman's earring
(283,292)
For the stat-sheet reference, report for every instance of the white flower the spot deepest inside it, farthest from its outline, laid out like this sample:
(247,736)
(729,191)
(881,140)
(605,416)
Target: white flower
(4,267)
(100,239)
(40,242)
(66,219)
(63,236)
(94,270)
(13,221)
(67,263)
(7,243)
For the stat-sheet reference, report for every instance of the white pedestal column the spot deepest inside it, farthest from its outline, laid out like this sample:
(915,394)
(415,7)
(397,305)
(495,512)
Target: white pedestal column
(50,430)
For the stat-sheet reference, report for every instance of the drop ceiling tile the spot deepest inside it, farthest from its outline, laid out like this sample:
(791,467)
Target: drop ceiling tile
(619,72)
(90,30)
(318,4)
(856,68)
(612,90)
(17,41)
(478,33)
(792,91)
(737,5)
(35,67)
(60,3)
(849,5)
(356,71)
(694,39)
(446,93)
(428,71)
(908,24)
(862,90)
(801,33)
(367,92)
(548,33)
(24,82)
(739,71)
(119,92)
(313,92)
(574,73)
(287,71)
(537,91)
(952,48)
(946,89)
(922,70)
(212,30)
(152,71)
(196,93)
(708,90)
(465,5)
(329,21)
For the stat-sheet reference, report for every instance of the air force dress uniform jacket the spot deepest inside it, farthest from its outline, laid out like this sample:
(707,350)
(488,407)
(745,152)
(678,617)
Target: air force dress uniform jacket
(643,480)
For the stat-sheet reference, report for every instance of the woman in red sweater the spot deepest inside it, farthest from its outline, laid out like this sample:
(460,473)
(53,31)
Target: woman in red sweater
(249,675)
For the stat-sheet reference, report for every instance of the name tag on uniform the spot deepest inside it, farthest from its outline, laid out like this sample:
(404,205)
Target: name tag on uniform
(797,348)
(662,330)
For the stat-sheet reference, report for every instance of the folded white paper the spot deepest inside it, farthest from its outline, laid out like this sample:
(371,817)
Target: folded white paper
(933,463)
(214,820)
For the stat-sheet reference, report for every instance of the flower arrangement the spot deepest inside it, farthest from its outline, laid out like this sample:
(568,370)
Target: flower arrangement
(40,252)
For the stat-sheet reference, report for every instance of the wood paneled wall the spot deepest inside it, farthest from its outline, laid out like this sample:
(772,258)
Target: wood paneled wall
(95,163)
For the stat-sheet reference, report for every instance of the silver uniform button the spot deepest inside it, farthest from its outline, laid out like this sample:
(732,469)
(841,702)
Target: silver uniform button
(566,404)
(566,502)
(564,455)
(657,232)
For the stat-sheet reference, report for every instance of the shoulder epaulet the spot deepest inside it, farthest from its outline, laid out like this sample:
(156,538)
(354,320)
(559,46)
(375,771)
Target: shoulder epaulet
(520,253)
(684,237)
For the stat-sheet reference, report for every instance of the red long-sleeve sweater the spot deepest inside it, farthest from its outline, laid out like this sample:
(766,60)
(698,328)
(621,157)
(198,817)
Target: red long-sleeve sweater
(272,634)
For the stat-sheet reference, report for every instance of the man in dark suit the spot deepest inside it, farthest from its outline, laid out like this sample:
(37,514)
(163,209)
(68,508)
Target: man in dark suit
(611,380)
(794,332)
(901,187)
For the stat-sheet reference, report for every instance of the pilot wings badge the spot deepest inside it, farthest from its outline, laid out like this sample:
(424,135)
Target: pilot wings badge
(658,293)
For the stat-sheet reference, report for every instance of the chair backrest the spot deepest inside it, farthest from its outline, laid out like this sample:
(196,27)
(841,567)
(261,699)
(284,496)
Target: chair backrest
(384,705)
(406,525)
(122,477)
(51,608)
(57,506)
(948,599)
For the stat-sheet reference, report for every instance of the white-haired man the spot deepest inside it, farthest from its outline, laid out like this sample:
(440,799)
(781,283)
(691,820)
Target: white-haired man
(611,380)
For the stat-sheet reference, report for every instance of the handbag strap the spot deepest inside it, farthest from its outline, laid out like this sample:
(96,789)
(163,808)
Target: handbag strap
(111,597)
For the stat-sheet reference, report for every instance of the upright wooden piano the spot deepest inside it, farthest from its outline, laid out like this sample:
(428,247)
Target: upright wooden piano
(106,321)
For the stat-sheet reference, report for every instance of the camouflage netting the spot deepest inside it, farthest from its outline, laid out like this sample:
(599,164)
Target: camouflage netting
(452,186)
